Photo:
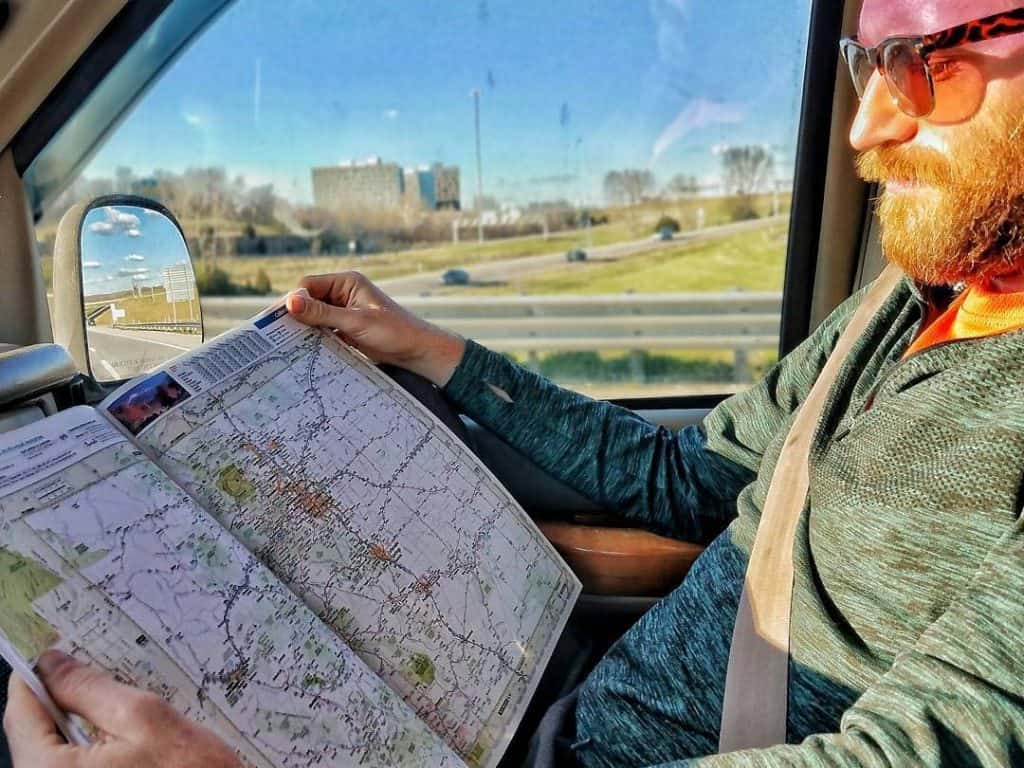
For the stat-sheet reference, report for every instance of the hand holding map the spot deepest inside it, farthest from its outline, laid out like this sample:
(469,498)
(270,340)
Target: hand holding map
(139,728)
(372,322)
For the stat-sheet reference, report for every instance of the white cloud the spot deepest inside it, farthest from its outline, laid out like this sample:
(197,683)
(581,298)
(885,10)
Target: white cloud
(193,119)
(134,257)
(91,265)
(129,271)
(697,114)
(390,114)
(120,218)
(117,221)
(719,149)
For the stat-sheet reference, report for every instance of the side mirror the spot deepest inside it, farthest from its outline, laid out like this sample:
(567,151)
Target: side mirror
(124,292)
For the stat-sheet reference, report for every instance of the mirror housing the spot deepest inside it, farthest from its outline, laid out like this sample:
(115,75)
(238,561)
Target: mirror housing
(125,298)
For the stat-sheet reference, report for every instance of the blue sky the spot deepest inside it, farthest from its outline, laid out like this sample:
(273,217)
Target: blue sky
(570,87)
(126,245)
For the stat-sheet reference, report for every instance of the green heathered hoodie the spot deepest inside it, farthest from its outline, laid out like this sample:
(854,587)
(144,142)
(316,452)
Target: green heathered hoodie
(908,615)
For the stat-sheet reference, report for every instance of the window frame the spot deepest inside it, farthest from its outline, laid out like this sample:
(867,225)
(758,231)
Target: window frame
(51,125)
(810,173)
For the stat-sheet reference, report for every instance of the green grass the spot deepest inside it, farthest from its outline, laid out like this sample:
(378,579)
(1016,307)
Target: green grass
(625,224)
(151,307)
(284,271)
(750,261)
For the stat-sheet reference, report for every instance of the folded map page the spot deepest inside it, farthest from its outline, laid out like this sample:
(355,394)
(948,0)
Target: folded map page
(106,558)
(373,513)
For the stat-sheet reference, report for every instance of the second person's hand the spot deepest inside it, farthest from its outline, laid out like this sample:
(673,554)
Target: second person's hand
(138,729)
(369,320)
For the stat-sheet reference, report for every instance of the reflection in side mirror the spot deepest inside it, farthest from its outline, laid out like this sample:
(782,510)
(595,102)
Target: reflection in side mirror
(139,293)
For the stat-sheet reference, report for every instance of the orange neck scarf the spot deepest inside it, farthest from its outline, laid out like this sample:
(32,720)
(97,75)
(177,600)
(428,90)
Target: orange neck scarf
(977,312)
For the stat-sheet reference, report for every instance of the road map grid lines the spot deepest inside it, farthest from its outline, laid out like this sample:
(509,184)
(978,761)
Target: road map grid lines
(384,524)
(117,565)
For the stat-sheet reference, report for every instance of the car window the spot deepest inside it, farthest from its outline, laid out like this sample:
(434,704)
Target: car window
(598,190)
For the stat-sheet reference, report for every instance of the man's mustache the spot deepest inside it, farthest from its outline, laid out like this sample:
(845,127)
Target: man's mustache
(910,165)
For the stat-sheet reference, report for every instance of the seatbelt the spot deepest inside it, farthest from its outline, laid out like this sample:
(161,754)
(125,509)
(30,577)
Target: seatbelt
(757,679)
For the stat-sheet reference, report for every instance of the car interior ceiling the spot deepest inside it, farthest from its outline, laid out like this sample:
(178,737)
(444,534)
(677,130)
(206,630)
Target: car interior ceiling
(37,378)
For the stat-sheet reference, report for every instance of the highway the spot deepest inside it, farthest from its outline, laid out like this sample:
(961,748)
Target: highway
(221,313)
(117,354)
(121,354)
(508,270)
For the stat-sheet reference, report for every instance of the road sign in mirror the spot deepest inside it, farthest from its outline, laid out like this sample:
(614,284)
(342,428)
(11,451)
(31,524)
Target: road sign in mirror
(139,290)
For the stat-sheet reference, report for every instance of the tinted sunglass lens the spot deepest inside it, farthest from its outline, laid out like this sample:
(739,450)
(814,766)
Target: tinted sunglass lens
(908,80)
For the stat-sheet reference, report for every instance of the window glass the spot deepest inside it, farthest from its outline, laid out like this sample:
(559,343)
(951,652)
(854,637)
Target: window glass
(599,190)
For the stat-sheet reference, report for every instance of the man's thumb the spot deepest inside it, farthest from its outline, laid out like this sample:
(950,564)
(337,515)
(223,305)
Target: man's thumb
(311,311)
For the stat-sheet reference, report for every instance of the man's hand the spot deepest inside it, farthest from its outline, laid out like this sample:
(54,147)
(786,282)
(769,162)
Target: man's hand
(367,319)
(140,729)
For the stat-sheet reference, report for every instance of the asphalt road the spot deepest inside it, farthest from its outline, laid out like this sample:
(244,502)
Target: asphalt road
(117,354)
(120,354)
(221,313)
(508,270)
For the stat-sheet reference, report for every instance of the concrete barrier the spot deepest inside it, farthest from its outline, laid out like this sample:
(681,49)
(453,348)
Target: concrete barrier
(737,322)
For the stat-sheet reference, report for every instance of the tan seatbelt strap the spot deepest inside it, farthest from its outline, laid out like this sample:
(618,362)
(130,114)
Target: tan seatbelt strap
(757,680)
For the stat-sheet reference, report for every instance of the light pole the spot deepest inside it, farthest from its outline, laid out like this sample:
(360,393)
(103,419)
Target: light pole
(479,168)
(773,151)
(582,197)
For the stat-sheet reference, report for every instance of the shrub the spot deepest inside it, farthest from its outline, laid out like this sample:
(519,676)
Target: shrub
(211,280)
(742,208)
(214,281)
(262,282)
(666,222)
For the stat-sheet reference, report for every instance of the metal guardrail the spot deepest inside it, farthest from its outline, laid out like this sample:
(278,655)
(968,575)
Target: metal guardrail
(91,313)
(739,322)
(184,327)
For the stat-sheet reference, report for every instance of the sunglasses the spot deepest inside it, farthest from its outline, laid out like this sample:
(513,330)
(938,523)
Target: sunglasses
(924,81)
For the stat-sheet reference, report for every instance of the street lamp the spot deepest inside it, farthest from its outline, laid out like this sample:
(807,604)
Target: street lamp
(581,194)
(479,168)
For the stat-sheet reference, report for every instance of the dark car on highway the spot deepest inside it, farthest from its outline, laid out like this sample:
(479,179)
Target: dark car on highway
(576,254)
(455,277)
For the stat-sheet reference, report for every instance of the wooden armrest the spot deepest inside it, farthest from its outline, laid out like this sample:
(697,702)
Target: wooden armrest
(621,561)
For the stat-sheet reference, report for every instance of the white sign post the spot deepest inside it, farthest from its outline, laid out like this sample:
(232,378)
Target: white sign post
(180,285)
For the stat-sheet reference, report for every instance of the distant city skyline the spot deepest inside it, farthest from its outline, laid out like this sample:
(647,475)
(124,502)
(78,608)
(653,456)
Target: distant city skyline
(569,92)
(375,182)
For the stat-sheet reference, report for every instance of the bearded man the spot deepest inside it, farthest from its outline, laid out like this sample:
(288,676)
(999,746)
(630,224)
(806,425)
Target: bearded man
(908,590)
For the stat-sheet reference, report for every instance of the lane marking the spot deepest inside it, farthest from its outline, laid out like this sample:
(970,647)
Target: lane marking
(110,369)
(129,337)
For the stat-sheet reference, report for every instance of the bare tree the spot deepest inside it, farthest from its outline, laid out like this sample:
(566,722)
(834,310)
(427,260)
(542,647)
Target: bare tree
(746,170)
(682,185)
(628,187)
(258,205)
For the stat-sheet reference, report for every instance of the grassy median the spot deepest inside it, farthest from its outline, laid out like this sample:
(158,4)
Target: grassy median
(748,261)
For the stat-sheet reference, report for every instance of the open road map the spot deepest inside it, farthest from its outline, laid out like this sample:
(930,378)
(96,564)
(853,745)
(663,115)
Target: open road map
(103,556)
(377,517)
